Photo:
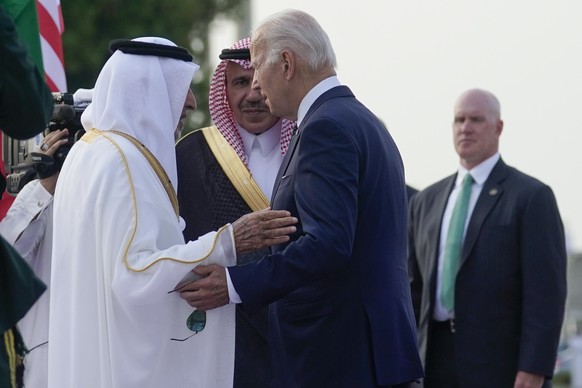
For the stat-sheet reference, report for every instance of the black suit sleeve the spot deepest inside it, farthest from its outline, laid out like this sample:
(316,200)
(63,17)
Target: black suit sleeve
(543,261)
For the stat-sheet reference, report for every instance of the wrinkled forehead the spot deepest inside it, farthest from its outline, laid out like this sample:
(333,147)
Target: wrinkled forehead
(468,110)
(255,57)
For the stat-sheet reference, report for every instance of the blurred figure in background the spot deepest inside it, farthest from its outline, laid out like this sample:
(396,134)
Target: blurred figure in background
(25,108)
(28,225)
(410,192)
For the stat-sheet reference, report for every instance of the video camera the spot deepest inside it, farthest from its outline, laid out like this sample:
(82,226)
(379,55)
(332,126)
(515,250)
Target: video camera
(21,161)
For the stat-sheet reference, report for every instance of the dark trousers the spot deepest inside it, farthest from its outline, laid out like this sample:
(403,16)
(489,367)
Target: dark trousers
(441,368)
(405,385)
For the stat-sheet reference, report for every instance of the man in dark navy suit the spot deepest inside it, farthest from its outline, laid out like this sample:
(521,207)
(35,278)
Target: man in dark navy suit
(500,324)
(341,312)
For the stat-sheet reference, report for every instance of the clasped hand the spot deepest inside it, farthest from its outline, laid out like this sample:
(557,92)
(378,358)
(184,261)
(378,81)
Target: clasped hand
(252,231)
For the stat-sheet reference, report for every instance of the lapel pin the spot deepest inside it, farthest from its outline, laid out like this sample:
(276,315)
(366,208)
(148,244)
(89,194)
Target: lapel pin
(493,192)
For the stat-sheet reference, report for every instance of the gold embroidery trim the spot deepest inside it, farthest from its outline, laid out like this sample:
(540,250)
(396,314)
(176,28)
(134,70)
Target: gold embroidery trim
(10,347)
(234,168)
(154,163)
(91,135)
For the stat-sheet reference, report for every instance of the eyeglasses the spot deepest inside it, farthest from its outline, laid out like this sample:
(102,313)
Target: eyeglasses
(196,322)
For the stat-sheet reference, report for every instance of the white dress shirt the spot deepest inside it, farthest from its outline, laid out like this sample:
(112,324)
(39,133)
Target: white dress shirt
(264,156)
(318,90)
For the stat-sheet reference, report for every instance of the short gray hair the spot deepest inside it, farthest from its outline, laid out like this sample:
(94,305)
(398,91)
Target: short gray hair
(492,101)
(298,32)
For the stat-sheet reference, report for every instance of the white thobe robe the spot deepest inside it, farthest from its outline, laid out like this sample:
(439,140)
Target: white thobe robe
(117,251)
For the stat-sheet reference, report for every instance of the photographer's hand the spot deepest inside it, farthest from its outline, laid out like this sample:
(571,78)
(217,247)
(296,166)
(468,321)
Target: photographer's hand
(50,144)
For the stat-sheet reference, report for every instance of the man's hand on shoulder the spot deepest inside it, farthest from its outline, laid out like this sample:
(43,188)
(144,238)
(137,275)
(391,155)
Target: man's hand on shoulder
(262,229)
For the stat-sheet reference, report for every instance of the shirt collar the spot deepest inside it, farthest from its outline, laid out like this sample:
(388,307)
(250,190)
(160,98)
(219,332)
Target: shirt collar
(480,172)
(268,139)
(318,90)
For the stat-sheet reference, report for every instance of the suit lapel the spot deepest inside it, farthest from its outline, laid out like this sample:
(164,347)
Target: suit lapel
(288,155)
(492,191)
(338,91)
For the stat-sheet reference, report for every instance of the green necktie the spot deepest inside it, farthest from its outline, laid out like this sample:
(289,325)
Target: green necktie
(454,243)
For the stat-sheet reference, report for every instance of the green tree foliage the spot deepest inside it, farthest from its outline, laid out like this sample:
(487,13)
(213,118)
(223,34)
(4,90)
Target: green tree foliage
(90,26)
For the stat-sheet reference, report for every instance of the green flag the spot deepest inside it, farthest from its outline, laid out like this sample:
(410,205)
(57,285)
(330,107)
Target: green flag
(23,13)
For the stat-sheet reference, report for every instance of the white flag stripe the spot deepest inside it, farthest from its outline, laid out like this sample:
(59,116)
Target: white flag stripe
(52,7)
(53,66)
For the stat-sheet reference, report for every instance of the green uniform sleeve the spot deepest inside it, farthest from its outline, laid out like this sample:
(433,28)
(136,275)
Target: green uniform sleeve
(25,100)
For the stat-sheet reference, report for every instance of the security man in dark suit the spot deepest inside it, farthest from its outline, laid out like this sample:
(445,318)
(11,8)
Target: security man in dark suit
(487,264)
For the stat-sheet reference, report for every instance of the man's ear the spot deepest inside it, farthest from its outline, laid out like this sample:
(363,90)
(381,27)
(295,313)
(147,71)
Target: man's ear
(288,63)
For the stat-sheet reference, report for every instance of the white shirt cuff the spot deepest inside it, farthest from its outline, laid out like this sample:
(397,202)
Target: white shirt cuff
(232,294)
(30,202)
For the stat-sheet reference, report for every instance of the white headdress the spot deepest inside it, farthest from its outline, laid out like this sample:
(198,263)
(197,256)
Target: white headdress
(141,91)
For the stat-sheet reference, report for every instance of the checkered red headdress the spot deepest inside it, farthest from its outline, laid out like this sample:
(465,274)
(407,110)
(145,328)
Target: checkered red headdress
(221,113)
